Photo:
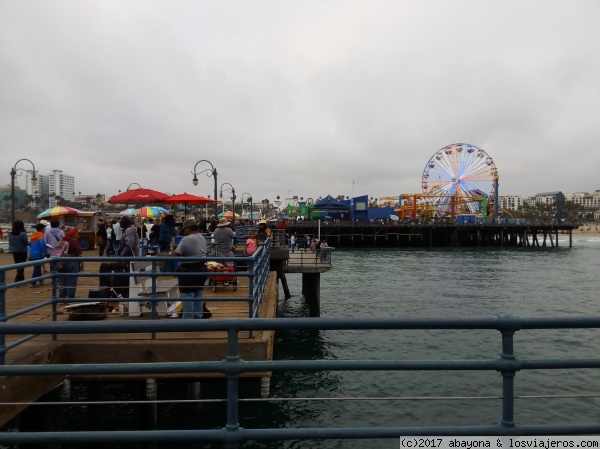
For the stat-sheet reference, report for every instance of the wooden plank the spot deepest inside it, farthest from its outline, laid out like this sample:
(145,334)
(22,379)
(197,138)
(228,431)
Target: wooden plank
(157,351)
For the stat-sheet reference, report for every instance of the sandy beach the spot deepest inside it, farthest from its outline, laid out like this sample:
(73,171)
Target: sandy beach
(587,228)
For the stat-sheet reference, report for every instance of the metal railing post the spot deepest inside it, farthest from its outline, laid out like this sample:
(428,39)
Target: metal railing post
(233,356)
(54,297)
(508,379)
(153,297)
(2,316)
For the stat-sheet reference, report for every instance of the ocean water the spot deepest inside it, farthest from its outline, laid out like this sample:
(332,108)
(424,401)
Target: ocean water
(462,283)
(475,282)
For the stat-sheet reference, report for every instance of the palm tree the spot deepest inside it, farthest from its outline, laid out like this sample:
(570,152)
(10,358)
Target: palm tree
(60,201)
(29,200)
(98,201)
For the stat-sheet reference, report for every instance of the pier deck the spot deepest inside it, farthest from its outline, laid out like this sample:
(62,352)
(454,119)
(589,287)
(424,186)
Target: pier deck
(125,348)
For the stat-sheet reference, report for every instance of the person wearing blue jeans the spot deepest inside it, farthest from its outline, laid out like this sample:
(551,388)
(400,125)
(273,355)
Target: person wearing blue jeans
(37,251)
(68,284)
(117,235)
(191,286)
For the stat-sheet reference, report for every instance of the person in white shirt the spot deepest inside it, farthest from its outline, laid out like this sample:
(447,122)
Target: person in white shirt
(118,234)
(323,250)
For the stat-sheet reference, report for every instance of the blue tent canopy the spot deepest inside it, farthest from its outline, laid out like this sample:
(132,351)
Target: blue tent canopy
(329,203)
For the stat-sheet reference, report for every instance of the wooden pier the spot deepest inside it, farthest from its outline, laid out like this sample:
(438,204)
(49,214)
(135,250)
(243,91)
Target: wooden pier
(125,348)
(434,235)
(308,263)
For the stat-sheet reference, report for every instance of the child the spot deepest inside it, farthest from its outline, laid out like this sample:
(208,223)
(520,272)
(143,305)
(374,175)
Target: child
(251,244)
(37,251)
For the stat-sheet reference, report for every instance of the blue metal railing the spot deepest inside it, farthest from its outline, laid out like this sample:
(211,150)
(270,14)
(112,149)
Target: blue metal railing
(232,434)
(257,272)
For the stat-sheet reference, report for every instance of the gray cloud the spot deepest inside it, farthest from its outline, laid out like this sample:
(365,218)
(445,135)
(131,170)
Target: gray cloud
(301,97)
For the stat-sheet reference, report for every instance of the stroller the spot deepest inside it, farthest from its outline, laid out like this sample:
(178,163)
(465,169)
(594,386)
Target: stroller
(224,279)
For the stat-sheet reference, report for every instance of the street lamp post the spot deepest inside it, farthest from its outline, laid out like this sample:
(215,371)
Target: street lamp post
(206,208)
(277,202)
(232,198)
(249,201)
(309,202)
(139,186)
(209,172)
(13,173)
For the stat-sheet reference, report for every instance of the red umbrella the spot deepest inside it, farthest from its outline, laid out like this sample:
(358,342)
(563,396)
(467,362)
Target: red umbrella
(187,198)
(140,196)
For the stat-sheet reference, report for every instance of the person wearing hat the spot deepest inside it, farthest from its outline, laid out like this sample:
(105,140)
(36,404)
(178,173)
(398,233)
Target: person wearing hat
(68,285)
(192,244)
(224,238)
(37,251)
(264,233)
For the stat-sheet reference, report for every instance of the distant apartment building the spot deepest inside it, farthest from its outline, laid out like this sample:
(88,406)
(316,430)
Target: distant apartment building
(511,202)
(558,201)
(515,202)
(90,200)
(587,200)
(61,185)
(550,198)
(52,185)
(39,190)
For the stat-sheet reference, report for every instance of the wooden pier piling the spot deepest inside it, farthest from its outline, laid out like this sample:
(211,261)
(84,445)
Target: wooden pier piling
(435,234)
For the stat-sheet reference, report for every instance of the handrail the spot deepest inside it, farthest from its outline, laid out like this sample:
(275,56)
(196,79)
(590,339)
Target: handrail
(507,364)
(257,272)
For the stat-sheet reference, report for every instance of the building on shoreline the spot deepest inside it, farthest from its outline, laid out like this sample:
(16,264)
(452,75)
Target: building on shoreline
(52,185)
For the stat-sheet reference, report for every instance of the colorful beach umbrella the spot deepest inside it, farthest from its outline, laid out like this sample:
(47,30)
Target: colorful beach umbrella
(151,212)
(57,211)
(228,214)
(139,196)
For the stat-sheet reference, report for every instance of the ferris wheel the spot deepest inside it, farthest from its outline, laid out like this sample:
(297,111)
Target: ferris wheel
(459,176)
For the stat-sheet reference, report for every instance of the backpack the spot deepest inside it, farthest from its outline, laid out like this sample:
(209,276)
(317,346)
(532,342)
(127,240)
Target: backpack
(59,250)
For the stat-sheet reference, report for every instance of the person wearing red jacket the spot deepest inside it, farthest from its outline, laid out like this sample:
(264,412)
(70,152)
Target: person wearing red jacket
(68,284)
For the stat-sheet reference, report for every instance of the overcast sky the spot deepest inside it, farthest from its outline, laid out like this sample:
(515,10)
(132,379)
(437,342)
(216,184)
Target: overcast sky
(299,97)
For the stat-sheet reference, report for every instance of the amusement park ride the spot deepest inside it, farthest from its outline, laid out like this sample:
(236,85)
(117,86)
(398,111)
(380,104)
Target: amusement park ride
(458,179)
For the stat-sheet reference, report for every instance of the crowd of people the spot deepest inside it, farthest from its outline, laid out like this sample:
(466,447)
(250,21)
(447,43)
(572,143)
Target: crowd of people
(122,238)
(40,245)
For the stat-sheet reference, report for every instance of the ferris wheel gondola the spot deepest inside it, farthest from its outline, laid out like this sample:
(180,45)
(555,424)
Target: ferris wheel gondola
(458,176)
